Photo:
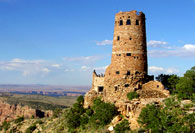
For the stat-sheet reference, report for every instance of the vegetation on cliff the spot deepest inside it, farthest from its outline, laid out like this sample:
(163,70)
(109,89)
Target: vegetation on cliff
(172,116)
(99,115)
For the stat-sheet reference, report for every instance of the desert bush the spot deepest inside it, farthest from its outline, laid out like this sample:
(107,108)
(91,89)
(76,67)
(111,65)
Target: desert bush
(171,117)
(5,125)
(103,113)
(19,119)
(122,127)
(99,115)
(31,128)
(132,95)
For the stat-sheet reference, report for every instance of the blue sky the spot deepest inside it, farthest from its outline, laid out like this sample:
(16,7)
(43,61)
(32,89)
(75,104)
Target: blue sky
(60,42)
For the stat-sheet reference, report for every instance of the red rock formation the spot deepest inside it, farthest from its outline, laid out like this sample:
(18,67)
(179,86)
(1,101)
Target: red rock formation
(11,112)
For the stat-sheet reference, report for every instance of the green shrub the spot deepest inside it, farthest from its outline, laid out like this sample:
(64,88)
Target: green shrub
(132,95)
(99,115)
(31,128)
(57,112)
(185,88)
(74,116)
(19,119)
(122,127)
(5,125)
(171,117)
(103,113)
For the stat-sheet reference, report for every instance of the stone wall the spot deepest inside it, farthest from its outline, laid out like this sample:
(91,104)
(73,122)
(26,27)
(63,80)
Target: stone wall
(98,82)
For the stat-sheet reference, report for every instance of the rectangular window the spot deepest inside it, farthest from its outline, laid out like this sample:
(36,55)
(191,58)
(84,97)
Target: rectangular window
(128,22)
(128,73)
(126,85)
(118,38)
(100,88)
(137,22)
(128,54)
(117,72)
(121,22)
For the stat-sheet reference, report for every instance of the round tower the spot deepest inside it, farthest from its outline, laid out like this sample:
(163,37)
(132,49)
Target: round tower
(129,51)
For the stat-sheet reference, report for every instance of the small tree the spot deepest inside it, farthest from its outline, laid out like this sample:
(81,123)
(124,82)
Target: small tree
(122,127)
(132,95)
(103,113)
(163,78)
(172,82)
(74,115)
(186,86)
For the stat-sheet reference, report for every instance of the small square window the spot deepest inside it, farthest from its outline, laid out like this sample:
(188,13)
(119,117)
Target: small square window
(119,55)
(117,72)
(126,85)
(130,38)
(128,54)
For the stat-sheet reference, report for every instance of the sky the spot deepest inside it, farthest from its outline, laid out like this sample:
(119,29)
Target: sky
(61,42)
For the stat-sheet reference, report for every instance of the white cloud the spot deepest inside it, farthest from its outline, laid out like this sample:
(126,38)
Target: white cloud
(56,65)
(83,59)
(69,70)
(154,43)
(188,50)
(46,70)
(104,42)
(26,67)
(158,70)
(85,68)
(101,68)
(189,47)
(155,69)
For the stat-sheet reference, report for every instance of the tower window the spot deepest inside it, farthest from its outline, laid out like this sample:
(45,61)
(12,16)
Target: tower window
(118,38)
(128,54)
(137,22)
(116,88)
(121,22)
(130,38)
(128,22)
(117,72)
(128,73)
(126,85)
(100,88)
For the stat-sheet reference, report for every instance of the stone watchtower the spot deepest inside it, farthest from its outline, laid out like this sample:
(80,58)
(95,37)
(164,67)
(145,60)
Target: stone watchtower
(128,66)
(129,53)
(128,70)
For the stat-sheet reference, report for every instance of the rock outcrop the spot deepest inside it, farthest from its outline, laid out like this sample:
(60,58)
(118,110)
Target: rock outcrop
(10,112)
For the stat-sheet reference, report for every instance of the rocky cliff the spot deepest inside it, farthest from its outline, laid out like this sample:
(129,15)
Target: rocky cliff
(10,112)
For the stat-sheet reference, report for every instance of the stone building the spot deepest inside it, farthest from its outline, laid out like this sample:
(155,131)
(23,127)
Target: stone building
(128,70)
